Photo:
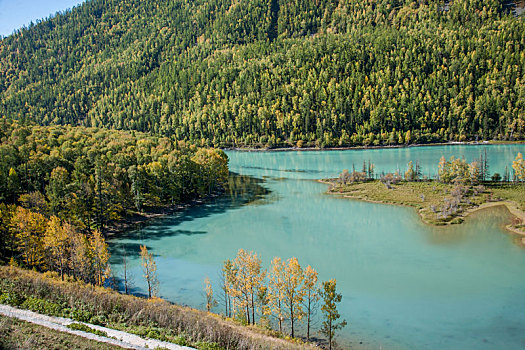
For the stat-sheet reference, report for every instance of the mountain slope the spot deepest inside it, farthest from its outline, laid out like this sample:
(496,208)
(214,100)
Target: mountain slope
(248,72)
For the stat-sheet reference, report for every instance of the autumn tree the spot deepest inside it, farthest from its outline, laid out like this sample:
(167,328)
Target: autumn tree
(57,243)
(80,263)
(149,268)
(474,173)
(311,296)
(208,290)
(329,308)
(293,292)
(276,290)
(228,283)
(519,167)
(99,256)
(34,201)
(30,228)
(249,278)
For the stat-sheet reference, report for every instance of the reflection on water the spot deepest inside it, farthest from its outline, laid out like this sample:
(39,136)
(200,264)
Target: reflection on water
(239,190)
(405,285)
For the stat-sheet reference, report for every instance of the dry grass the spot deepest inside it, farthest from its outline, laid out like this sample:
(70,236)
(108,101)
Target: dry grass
(17,334)
(123,311)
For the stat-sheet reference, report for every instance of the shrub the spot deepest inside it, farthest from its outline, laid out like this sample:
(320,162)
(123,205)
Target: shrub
(42,306)
(87,329)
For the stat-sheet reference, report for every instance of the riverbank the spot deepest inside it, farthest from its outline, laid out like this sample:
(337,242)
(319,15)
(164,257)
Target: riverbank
(136,219)
(147,318)
(307,149)
(432,198)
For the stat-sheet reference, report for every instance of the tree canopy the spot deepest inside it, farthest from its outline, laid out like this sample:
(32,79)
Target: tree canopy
(273,73)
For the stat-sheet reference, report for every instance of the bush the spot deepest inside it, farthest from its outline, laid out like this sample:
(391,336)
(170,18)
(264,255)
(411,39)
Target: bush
(87,329)
(42,306)
(12,299)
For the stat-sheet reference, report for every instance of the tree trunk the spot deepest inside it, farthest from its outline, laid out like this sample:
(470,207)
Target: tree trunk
(292,321)
(225,302)
(308,320)
(253,310)
(330,334)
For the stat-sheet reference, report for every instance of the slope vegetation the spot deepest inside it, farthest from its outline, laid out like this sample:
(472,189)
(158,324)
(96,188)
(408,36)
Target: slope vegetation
(273,73)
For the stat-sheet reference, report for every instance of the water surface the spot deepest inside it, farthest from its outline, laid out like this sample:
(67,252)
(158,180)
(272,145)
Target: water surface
(405,285)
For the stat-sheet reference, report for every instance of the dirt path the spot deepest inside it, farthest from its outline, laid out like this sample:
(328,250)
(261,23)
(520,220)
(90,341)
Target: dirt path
(114,337)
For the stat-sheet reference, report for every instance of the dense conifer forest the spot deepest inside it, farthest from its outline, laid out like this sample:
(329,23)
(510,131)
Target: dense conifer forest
(274,73)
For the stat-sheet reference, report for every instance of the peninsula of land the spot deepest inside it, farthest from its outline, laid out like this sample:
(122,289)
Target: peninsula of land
(457,192)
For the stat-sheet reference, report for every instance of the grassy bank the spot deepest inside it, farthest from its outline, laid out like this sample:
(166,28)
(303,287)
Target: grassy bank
(148,318)
(17,334)
(430,198)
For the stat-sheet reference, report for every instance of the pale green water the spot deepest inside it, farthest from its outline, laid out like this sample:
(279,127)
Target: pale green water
(405,285)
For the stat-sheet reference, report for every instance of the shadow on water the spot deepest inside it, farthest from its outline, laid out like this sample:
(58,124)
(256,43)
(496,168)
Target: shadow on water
(240,190)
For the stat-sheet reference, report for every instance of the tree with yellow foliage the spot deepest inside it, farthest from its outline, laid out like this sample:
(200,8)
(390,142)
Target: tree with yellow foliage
(30,228)
(293,292)
(57,243)
(276,290)
(99,257)
(80,261)
(208,290)
(410,174)
(228,281)
(519,167)
(249,278)
(149,267)
(311,296)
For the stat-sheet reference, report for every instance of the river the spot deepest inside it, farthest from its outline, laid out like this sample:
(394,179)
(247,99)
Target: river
(405,285)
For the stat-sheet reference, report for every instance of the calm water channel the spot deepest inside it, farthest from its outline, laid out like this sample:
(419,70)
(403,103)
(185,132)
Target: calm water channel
(405,285)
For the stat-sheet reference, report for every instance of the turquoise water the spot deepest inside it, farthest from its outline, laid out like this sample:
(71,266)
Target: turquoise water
(405,285)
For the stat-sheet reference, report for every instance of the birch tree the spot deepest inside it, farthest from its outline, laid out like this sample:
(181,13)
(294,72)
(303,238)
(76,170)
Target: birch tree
(149,267)
(311,296)
(293,292)
(276,290)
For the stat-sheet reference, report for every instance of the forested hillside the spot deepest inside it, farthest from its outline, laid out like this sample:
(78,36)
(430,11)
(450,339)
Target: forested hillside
(91,177)
(274,73)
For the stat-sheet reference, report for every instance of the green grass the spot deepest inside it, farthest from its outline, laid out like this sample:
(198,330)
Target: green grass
(428,197)
(82,327)
(514,193)
(17,334)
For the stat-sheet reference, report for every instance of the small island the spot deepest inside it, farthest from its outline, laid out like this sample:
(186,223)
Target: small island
(459,190)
